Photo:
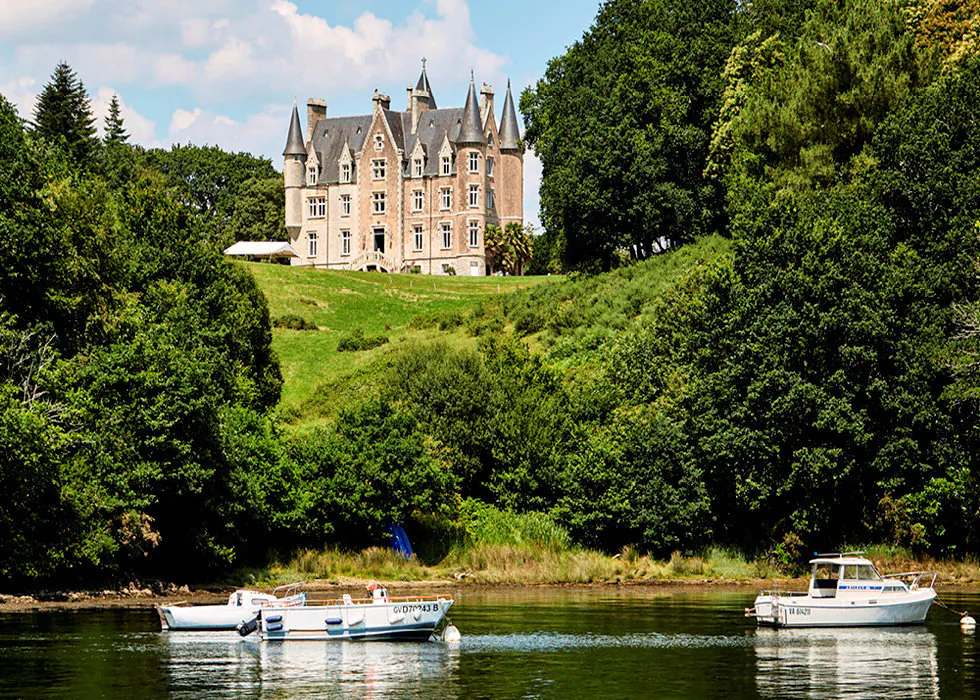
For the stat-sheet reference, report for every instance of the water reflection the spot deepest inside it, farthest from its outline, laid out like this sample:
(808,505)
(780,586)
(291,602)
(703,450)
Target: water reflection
(226,666)
(872,663)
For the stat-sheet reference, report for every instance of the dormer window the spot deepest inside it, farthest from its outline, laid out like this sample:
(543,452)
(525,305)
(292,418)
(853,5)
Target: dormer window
(379,142)
(378,169)
(311,176)
(489,166)
(417,167)
(345,172)
(474,161)
(490,139)
(446,166)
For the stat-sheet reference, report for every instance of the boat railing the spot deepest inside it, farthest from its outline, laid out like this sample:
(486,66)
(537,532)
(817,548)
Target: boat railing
(374,601)
(777,593)
(917,578)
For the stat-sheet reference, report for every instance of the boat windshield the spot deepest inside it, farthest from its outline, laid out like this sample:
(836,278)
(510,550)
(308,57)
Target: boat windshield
(868,573)
(826,572)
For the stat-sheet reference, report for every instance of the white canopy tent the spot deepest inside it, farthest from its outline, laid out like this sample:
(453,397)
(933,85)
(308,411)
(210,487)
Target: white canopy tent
(262,249)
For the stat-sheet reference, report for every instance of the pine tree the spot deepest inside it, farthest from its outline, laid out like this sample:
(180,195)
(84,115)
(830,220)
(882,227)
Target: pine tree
(115,132)
(63,111)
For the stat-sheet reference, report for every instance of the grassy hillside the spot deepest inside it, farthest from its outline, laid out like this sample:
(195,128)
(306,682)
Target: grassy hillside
(567,319)
(337,302)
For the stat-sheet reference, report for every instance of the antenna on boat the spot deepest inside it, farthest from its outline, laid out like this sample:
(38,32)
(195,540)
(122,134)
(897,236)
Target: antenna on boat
(837,554)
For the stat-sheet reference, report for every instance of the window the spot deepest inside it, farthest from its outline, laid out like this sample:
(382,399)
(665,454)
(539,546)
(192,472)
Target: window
(345,172)
(417,235)
(447,235)
(345,205)
(318,207)
(345,242)
(379,240)
(490,139)
(868,573)
(378,200)
(417,167)
(489,166)
(490,198)
(474,162)
(379,142)
(474,195)
(446,166)
(474,234)
(378,169)
(311,238)
(446,198)
(311,176)
(417,200)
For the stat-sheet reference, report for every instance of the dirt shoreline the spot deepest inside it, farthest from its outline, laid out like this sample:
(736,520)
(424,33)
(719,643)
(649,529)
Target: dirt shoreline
(135,599)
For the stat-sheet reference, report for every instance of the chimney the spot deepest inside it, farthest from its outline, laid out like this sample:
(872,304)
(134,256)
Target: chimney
(408,97)
(486,102)
(316,110)
(381,101)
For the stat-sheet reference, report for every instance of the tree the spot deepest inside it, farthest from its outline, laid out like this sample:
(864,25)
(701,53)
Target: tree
(63,115)
(508,248)
(621,123)
(259,212)
(115,132)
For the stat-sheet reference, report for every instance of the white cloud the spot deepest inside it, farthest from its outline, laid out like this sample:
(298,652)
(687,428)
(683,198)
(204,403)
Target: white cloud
(182,120)
(17,16)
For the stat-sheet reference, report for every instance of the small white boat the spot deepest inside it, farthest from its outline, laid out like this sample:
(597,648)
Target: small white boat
(242,605)
(377,617)
(847,591)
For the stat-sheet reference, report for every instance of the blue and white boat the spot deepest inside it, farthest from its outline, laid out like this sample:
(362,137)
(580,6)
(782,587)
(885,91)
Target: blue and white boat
(379,616)
(846,590)
(242,605)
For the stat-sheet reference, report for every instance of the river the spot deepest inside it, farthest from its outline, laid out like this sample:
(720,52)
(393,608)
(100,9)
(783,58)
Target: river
(517,643)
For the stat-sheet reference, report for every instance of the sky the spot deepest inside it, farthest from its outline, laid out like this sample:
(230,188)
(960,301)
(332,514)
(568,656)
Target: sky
(226,72)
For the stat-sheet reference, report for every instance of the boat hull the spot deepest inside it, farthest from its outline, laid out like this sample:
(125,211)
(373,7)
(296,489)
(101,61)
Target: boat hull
(908,608)
(204,617)
(409,621)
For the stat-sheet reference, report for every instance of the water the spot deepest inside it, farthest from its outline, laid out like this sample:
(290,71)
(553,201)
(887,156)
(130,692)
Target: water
(516,644)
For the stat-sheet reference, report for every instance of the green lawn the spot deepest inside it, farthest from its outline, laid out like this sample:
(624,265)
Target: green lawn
(314,372)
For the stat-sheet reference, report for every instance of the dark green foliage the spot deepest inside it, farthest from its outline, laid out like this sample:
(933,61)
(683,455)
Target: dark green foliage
(294,322)
(621,123)
(63,116)
(211,182)
(357,340)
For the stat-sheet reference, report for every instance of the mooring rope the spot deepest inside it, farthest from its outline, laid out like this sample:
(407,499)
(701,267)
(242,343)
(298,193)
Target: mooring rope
(955,612)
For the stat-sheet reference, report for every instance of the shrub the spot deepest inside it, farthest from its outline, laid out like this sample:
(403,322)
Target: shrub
(294,322)
(356,340)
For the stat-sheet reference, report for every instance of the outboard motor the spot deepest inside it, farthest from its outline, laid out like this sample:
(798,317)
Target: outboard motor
(246,627)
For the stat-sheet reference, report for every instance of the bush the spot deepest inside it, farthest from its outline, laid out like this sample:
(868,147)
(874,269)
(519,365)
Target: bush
(450,320)
(486,525)
(294,322)
(356,341)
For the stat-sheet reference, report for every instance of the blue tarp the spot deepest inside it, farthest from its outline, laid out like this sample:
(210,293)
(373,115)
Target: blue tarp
(399,541)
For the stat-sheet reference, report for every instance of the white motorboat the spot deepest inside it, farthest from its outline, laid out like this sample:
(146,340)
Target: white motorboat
(847,591)
(242,605)
(377,617)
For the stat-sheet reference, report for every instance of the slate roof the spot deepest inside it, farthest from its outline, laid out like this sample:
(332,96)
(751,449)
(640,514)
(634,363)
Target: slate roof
(330,135)
(472,128)
(423,84)
(294,140)
(510,132)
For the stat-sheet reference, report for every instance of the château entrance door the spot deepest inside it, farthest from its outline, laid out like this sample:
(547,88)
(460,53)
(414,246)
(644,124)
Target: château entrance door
(379,240)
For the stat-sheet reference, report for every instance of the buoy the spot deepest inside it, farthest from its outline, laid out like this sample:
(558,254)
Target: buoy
(967,623)
(451,635)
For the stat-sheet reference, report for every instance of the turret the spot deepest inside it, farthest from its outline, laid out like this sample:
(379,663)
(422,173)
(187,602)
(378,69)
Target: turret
(294,174)
(511,203)
(421,99)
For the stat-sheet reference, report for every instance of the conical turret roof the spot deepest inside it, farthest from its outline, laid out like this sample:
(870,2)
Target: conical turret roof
(294,141)
(510,132)
(471,129)
(424,86)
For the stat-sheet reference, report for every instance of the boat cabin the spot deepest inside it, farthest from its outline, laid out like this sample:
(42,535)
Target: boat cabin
(848,576)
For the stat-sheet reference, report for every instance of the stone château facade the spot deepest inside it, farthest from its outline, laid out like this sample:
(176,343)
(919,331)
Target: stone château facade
(394,191)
